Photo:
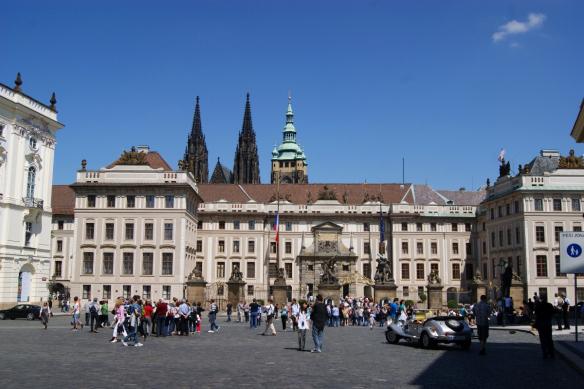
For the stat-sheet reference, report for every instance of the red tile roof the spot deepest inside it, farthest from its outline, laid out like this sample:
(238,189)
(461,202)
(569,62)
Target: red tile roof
(63,200)
(153,159)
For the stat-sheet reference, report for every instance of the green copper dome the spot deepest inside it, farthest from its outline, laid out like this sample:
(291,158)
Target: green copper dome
(288,150)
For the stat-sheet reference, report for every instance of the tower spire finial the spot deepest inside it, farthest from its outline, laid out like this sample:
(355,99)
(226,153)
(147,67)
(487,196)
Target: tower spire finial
(53,102)
(17,82)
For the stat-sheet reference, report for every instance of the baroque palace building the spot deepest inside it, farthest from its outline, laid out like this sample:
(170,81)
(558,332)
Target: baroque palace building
(28,130)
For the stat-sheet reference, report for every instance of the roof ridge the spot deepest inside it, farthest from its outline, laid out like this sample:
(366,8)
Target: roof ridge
(243,190)
(407,191)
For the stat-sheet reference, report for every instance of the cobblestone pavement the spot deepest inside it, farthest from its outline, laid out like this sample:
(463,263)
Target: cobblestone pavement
(240,357)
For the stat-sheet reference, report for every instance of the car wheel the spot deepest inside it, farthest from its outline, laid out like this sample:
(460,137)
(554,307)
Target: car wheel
(12,317)
(2,316)
(30,316)
(425,341)
(391,336)
(465,345)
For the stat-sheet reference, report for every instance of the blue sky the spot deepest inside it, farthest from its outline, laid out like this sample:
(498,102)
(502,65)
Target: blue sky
(443,84)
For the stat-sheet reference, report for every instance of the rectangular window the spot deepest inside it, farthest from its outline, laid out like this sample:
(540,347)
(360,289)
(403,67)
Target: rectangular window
(405,271)
(468,271)
(434,267)
(419,227)
(557,231)
(58,269)
(484,247)
(406,290)
(499,211)
(109,231)
(419,248)
(420,290)
(107,292)
(493,239)
(455,248)
(485,270)
(250,290)
(577,227)
(467,227)
(251,225)
(517,235)
(235,225)
(576,204)
(507,209)
(167,264)
(541,266)
(509,237)
(558,272)
(518,265)
(131,201)
(501,238)
(146,292)
(89,230)
(540,234)
(199,246)
(90,201)
(468,248)
(433,227)
(149,231)
(420,271)
(366,248)
(127,291)
(366,227)
(273,247)
(346,267)
(128,264)
(220,290)
(538,203)
(220,269)
(221,246)
(59,246)
(492,213)
(111,201)
(288,269)
(250,271)
(60,224)
(404,226)
(199,266)
(149,201)
(168,231)
(147,264)
(129,231)
(405,247)
(367,270)
(288,247)
(166,292)
(434,248)
(87,263)
(454,227)
(169,201)
(108,263)
(251,246)
(557,204)
(86,292)
(221,224)
(456,271)
(200,225)
(288,226)
(236,246)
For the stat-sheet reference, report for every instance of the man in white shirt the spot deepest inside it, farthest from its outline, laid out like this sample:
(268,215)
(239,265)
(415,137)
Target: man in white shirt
(295,312)
(269,308)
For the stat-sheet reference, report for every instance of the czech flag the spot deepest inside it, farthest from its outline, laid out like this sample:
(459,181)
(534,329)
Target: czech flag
(277,227)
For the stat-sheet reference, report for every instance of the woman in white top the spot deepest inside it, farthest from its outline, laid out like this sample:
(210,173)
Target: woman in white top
(76,310)
(302,327)
(45,313)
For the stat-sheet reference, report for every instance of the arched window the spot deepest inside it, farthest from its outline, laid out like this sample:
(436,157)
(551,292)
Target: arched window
(30,182)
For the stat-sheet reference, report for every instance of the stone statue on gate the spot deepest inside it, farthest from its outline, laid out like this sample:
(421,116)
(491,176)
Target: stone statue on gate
(236,275)
(328,269)
(433,278)
(196,274)
(383,273)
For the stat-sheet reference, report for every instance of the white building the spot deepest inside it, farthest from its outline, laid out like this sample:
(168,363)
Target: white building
(522,217)
(27,145)
(135,229)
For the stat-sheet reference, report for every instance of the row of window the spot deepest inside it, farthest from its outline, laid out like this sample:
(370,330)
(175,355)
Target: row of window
(433,227)
(251,225)
(557,205)
(434,267)
(128,266)
(130,201)
(129,231)
(434,248)
(126,292)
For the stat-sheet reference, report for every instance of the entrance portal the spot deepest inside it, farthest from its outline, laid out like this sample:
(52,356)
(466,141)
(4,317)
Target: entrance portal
(24,283)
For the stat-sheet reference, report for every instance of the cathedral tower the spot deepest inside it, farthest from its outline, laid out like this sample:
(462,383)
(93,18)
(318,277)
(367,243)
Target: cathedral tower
(288,160)
(246,165)
(196,157)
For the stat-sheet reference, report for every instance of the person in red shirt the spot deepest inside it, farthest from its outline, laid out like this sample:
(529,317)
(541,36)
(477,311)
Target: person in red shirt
(161,309)
(147,316)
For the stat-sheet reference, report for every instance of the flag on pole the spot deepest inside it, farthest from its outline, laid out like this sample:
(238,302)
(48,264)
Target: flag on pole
(277,227)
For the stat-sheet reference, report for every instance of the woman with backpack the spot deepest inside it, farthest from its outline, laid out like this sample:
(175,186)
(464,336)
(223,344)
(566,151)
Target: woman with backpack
(284,316)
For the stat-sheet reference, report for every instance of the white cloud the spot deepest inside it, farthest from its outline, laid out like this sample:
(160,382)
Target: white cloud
(516,27)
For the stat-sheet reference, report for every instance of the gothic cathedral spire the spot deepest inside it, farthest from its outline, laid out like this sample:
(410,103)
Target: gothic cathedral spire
(196,157)
(246,165)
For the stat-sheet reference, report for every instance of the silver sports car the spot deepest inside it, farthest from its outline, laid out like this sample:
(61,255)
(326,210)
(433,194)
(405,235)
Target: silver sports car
(429,332)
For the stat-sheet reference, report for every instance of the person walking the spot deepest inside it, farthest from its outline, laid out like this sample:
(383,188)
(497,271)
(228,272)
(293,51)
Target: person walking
(45,313)
(318,317)
(544,312)
(104,314)
(482,311)
(76,322)
(229,311)
(94,310)
(184,311)
(270,313)
(239,311)
(161,311)
(284,316)
(213,309)
(302,326)
(566,312)
(295,311)
(558,303)
(254,309)
(119,318)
